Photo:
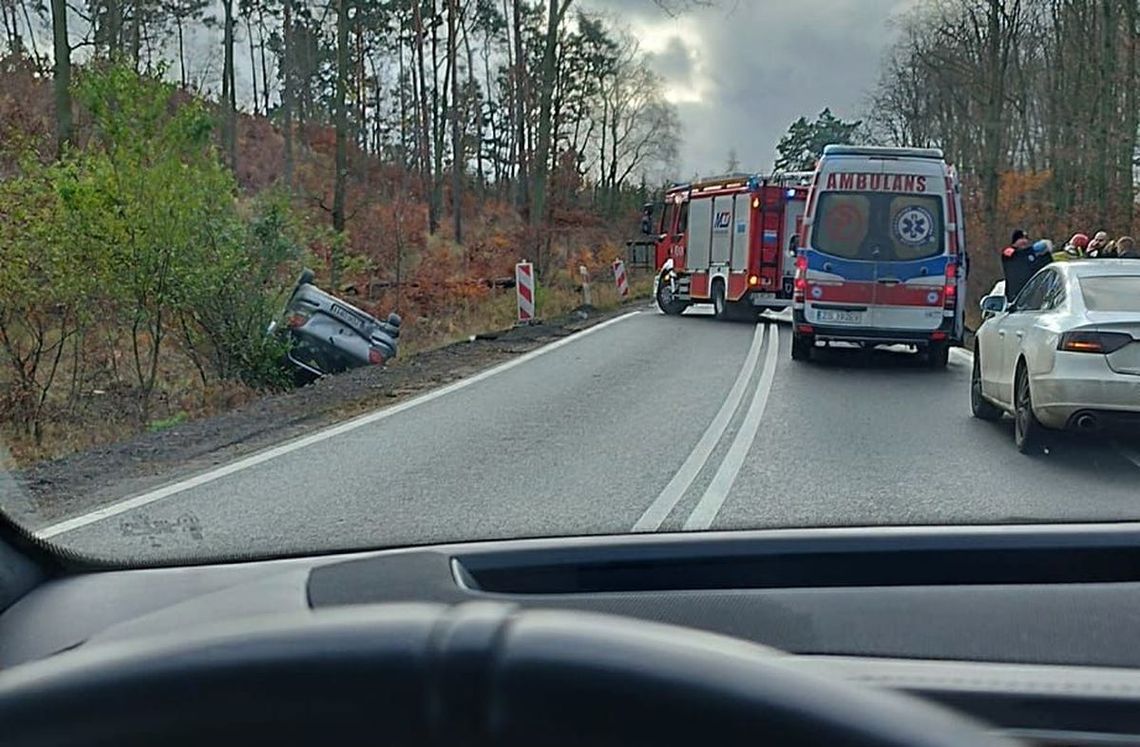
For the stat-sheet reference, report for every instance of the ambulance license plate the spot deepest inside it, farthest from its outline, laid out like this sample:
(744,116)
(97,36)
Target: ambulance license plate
(839,317)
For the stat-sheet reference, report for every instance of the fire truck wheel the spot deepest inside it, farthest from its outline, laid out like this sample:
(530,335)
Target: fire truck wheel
(667,302)
(801,347)
(720,304)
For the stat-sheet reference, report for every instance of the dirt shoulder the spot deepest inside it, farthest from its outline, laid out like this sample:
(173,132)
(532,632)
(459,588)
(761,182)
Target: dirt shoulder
(65,486)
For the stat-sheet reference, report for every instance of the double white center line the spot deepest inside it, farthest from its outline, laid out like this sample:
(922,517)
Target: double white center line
(714,496)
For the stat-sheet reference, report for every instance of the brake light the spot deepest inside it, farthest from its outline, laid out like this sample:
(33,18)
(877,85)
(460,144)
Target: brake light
(375,356)
(937,336)
(1093,342)
(950,290)
(805,329)
(799,284)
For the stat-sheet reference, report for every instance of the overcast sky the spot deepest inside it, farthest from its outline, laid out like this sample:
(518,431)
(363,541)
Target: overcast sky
(742,71)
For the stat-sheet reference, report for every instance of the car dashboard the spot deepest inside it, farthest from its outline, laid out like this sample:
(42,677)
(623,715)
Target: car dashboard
(1032,629)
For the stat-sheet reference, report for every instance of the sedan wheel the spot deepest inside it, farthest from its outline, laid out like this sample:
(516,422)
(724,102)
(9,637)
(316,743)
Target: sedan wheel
(981,407)
(1028,433)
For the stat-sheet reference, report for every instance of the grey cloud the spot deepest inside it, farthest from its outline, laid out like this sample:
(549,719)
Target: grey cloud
(764,63)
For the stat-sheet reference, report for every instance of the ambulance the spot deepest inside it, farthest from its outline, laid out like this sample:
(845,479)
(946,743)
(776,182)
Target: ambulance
(881,259)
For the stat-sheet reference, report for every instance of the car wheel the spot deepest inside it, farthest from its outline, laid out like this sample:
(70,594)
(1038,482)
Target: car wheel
(938,355)
(720,304)
(801,347)
(981,407)
(1028,433)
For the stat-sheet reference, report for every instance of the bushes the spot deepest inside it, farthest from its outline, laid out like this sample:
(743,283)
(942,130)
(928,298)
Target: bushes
(141,236)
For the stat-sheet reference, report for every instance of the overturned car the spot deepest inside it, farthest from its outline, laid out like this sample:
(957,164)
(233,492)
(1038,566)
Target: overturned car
(327,335)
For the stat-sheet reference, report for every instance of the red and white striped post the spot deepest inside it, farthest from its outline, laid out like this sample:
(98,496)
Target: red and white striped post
(620,279)
(524,289)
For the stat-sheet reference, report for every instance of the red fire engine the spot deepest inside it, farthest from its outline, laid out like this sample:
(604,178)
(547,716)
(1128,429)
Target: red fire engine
(730,241)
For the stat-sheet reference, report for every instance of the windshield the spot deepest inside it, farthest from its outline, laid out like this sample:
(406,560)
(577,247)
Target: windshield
(879,227)
(1111,293)
(285,276)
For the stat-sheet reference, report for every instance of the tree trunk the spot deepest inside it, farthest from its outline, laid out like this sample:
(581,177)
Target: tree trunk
(546,96)
(181,51)
(522,176)
(229,99)
(438,106)
(287,93)
(425,124)
(456,133)
(253,62)
(341,125)
(61,75)
(264,66)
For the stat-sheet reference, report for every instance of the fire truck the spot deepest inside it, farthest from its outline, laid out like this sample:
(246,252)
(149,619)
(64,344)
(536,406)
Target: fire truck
(730,241)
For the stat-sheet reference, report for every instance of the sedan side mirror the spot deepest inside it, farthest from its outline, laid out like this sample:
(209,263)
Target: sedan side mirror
(994,305)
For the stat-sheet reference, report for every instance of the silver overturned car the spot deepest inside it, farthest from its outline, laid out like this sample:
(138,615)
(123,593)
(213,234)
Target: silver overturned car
(328,335)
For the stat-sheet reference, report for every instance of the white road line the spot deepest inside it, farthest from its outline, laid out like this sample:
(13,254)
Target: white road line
(710,503)
(653,517)
(128,504)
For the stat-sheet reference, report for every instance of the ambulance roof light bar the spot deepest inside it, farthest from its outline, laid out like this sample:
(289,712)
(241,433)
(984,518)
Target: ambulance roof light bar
(874,151)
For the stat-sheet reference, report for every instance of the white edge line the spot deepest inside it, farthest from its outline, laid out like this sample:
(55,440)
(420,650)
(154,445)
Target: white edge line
(659,510)
(166,491)
(704,513)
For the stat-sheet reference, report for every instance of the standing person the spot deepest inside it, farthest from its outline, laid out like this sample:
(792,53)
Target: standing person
(1098,245)
(1019,262)
(1126,248)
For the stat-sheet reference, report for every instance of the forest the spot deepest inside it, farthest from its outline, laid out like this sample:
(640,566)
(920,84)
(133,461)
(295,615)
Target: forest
(1034,101)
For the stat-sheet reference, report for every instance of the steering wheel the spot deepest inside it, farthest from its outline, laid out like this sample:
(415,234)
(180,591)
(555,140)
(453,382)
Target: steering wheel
(479,673)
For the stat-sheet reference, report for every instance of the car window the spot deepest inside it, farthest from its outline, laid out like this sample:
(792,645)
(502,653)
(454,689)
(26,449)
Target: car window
(1111,293)
(683,220)
(1054,295)
(1032,296)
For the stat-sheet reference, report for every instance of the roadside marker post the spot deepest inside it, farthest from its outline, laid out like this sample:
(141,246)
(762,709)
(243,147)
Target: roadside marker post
(585,285)
(620,279)
(524,290)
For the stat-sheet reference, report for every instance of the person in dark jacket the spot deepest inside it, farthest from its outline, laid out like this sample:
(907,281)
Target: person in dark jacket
(1019,262)
(1126,248)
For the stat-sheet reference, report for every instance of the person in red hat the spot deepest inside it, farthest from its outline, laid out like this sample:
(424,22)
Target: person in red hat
(1074,249)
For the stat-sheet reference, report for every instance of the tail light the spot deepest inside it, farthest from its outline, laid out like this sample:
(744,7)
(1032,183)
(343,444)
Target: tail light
(950,291)
(1093,342)
(800,283)
(805,329)
(375,356)
(937,336)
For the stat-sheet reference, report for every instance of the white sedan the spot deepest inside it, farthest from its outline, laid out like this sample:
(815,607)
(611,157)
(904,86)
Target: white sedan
(1064,354)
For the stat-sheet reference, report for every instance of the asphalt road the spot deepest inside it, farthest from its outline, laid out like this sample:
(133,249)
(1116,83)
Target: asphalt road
(643,423)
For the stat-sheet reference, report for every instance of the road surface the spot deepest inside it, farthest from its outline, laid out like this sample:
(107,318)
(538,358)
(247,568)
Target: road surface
(643,423)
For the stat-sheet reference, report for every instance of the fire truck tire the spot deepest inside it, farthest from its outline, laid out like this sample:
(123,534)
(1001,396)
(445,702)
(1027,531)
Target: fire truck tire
(720,303)
(801,347)
(667,303)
